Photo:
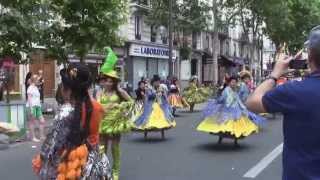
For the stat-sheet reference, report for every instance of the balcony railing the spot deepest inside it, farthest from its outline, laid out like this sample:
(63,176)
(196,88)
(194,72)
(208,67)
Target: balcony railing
(144,4)
(244,38)
(224,31)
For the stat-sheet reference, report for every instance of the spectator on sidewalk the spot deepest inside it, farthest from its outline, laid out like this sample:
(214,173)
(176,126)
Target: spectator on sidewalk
(299,103)
(1,91)
(40,85)
(34,109)
(27,82)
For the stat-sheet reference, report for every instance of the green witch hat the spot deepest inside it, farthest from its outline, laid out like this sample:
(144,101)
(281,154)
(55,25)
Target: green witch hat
(109,64)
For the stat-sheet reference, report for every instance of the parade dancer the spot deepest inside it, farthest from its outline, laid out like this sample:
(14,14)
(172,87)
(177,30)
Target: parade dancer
(175,99)
(194,94)
(228,117)
(140,98)
(157,113)
(118,107)
(244,90)
(71,148)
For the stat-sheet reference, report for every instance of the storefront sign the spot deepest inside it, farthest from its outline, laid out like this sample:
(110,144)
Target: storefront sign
(150,51)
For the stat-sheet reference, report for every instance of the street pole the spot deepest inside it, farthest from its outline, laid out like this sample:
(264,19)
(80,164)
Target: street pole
(261,65)
(171,63)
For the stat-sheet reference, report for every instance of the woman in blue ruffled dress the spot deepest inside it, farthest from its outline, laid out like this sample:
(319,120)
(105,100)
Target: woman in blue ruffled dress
(157,112)
(227,116)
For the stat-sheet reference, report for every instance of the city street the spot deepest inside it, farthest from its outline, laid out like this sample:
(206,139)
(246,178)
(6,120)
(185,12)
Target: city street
(185,155)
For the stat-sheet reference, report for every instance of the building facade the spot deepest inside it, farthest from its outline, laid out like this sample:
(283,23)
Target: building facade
(146,47)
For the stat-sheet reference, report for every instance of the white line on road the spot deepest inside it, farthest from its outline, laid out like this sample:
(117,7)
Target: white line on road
(263,163)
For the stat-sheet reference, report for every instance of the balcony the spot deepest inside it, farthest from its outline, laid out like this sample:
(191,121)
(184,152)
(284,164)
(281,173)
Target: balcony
(223,32)
(244,38)
(140,4)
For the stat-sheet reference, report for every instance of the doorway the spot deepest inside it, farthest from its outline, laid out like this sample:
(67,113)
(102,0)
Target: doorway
(194,67)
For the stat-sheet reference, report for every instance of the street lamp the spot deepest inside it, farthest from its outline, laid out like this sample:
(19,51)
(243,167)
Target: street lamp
(171,62)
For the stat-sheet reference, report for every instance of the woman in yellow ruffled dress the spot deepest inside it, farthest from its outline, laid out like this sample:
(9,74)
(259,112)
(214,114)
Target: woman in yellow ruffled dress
(194,94)
(228,117)
(157,113)
(118,107)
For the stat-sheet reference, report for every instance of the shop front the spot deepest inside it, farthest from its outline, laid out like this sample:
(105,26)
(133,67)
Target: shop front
(146,60)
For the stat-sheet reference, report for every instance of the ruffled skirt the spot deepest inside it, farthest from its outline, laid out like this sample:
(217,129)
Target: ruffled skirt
(177,101)
(233,121)
(118,120)
(242,127)
(195,96)
(155,120)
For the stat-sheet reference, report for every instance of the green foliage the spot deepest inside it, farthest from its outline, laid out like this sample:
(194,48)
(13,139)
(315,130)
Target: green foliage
(189,16)
(62,26)
(19,27)
(82,26)
(185,52)
(285,21)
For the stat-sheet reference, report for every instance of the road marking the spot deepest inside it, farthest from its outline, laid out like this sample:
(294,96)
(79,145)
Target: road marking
(263,163)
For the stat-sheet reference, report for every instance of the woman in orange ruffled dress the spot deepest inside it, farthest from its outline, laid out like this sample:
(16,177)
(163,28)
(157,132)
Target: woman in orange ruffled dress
(175,99)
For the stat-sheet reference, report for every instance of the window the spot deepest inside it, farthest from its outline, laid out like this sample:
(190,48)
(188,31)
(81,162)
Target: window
(138,27)
(153,34)
(234,49)
(227,49)
(221,47)
(207,41)
(194,40)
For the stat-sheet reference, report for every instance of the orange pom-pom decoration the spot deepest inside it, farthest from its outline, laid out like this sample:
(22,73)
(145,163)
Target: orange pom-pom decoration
(80,152)
(61,177)
(36,164)
(83,161)
(72,155)
(76,163)
(71,166)
(71,174)
(62,168)
(78,172)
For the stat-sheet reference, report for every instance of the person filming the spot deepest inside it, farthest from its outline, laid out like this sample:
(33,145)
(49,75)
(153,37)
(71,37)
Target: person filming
(299,102)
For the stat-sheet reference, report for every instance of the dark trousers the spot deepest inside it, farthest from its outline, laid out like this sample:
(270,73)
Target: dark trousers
(41,95)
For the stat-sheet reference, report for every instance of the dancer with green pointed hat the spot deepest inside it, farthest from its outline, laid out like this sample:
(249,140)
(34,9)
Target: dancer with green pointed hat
(117,104)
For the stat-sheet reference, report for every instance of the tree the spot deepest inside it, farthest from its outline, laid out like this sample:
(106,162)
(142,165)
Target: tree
(189,16)
(19,31)
(287,21)
(19,27)
(82,26)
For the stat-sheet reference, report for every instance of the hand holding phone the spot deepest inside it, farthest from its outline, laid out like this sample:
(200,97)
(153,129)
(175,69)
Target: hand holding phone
(297,62)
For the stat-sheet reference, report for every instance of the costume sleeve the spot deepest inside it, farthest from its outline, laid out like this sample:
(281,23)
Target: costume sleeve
(227,97)
(96,117)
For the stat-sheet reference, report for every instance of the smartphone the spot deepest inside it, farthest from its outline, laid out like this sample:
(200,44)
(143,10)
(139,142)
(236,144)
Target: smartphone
(298,64)
(299,61)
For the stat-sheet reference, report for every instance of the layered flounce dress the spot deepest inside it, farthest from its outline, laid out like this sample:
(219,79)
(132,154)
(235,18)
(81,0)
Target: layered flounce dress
(227,116)
(195,95)
(118,119)
(156,115)
(139,103)
(175,99)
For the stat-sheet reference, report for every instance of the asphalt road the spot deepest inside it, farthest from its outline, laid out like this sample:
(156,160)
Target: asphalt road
(185,155)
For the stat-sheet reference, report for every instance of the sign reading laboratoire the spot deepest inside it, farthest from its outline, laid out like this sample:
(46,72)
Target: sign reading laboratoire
(150,51)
